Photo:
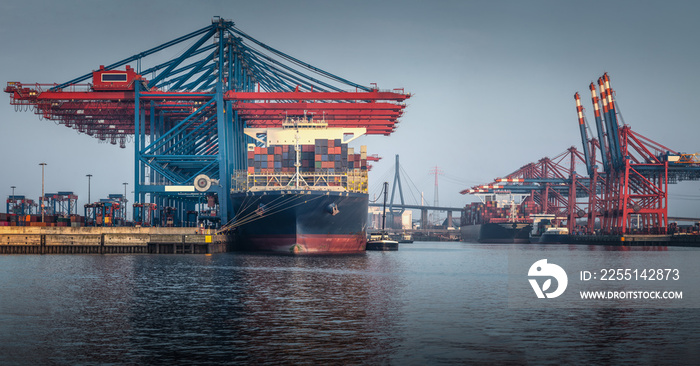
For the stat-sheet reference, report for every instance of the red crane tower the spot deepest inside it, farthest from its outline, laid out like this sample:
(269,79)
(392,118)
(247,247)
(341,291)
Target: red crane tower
(633,192)
(626,191)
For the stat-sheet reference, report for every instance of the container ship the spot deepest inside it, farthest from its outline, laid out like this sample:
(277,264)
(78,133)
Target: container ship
(304,191)
(498,218)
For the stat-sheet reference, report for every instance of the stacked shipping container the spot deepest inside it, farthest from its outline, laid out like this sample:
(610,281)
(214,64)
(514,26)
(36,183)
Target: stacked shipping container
(328,156)
(478,213)
(35,220)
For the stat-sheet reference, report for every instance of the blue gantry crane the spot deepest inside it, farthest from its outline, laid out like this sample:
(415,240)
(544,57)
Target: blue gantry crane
(187,114)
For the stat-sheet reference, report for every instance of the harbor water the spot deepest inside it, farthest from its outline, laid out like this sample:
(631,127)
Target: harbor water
(428,303)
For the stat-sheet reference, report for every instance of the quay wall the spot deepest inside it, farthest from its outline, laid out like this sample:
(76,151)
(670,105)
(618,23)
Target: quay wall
(105,240)
(638,240)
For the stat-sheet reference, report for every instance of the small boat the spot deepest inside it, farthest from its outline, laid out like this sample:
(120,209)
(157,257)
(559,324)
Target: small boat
(381,240)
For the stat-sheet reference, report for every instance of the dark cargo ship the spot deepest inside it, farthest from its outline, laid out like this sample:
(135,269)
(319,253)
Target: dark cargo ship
(504,233)
(302,221)
(497,219)
(305,191)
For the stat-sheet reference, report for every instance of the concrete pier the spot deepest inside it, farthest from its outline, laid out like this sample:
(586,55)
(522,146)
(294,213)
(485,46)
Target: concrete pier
(637,240)
(106,240)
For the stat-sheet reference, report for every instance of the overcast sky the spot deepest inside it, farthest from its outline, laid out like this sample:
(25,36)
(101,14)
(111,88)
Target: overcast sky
(492,81)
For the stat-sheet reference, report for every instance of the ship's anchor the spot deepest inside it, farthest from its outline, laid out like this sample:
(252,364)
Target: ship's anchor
(260,210)
(332,209)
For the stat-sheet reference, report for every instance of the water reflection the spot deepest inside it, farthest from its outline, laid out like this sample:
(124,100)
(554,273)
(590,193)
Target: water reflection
(255,309)
(425,304)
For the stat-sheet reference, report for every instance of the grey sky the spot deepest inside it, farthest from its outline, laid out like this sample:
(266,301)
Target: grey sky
(493,81)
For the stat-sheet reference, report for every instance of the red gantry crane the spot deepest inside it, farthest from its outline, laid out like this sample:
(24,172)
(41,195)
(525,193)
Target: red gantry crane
(548,186)
(626,191)
(636,171)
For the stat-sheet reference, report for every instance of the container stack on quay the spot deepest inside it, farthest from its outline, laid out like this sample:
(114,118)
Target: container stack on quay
(8,219)
(68,234)
(35,220)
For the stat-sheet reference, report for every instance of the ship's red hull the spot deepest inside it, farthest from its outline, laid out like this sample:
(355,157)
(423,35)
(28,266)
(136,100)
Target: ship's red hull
(308,244)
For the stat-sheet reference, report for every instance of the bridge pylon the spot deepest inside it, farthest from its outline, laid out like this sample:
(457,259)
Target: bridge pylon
(397,181)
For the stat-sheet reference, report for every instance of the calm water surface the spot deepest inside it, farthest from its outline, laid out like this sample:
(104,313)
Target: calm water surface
(428,303)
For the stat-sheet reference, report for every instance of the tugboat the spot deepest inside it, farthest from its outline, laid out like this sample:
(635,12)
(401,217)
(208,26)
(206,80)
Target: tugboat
(381,240)
(546,230)
(554,235)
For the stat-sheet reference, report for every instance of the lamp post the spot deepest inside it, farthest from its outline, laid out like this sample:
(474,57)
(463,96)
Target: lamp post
(42,191)
(89,176)
(125,201)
